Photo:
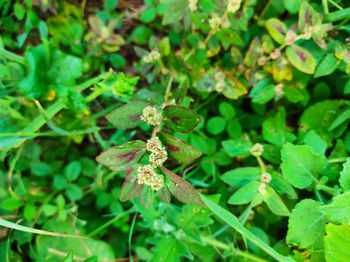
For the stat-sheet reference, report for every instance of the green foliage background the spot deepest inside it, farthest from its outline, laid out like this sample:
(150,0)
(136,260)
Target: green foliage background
(270,72)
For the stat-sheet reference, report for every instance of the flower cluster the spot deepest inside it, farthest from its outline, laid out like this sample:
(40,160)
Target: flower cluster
(193,5)
(279,90)
(233,5)
(146,175)
(220,84)
(265,178)
(257,150)
(215,23)
(152,57)
(152,116)
(158,153)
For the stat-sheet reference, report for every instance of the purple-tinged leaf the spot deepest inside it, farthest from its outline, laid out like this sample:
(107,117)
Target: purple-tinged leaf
(178,149)
(181,119)
(308,17)
(127,116)
(301,59)
(130,188)
(277,29)
(164,194)
(146,197)
(121,157)
(181,189)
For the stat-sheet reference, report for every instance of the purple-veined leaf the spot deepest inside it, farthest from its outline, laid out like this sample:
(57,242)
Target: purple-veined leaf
(277,29)
(308,17)
(146,196)
(301,59)
(178,149)
(130,188)
(181,119)
(181,189)
(164,194)
(127,116)
(121,157)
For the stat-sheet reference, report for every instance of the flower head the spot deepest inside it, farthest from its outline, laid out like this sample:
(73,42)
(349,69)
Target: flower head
(151,57)
(152,116)
(279,90)
(146,175)
(215,23)
(193,5)
(233,5)
(257,150)
(265,178)
(262,189)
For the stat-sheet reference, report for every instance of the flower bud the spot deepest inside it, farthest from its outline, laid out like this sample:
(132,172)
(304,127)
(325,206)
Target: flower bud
(257,150)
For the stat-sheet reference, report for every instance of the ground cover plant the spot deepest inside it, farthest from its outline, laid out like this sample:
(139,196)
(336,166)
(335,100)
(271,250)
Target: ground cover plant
(174,130)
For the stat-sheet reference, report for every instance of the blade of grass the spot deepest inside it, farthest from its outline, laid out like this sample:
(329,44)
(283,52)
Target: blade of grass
(15,226)
(233,221)
(338,15)
(12,56)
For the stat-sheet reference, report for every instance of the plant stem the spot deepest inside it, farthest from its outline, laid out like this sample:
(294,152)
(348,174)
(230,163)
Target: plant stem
(335,4)
(325,6)
(12,56)
(337,160)
(261,164)
(168,88)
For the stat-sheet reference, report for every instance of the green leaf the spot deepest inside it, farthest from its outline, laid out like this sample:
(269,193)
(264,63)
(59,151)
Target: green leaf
(336,243)
(301,59)
(341,118)
(11,203)
(292,5)
(131,188)
(344,179)
(245,194)
(69,257)
(181,189)
(216,125)
(180,118)
(316,142)
(233,222)
(241,176)
(41,169)
(338,211)
(141,35)
(327,66)
(306,225)
(300,165)
(175,11)
(148,15)
(277,29)
(237,147)
(121,157)
(178,149)
(19,11)
(127,116)
(275,203)
(227,110)
(74,192)
(72,171)
(280,184)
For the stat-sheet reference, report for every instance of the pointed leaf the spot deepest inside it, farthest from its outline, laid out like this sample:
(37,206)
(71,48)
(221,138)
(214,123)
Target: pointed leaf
(338,212)
(146,196)
(300,165)
(130,188)
(178,149)
(164,194)
(180,118)
(241,176)
(308,17)
(301,59)
(344,179)
(336,243)
(181,189)
(277,29)
(327,66)
(275,203)
(127,116)
(121,157)
(245,194)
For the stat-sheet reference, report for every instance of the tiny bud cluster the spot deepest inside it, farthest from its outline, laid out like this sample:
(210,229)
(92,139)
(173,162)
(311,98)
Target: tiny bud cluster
(279,90)
(220,84)
(215,23)
(193,5)
(146,175)
(275,54)
(152,57)
(290,37)
(158,153)
(265,178)
(233,5)
(262,189)
(257,150)
(152,116)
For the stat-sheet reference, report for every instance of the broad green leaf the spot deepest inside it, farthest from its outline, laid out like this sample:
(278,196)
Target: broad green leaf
(69,257)
(11,203)
(241,176)
(341,118)
(121,157)
(237,147)
(327,66)
(73,170)
(281,186)
(175,11)
(316,142)
(74,192)
(216,125)
(127,116)
(245,194)
(300,165)
(227,110)
(336,243)
(181,189)
(344,179)
(301,59)
(292,5)
(233,222)
(131,188)
(180,118)
(178,149)
(148,15)
(338,211)
(306,225)
(41,169)
(277,29)
(265,95)
(275,203)
(141,35)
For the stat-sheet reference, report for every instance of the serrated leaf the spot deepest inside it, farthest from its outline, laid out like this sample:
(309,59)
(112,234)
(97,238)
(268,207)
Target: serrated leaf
(181,189)
(175,11)
(306,225)
(277,29)
(178,149)
(301,59)
(275,203)
(241,176)
(181,119)
(327,66)
(146,196)
(338,211)
(131,188)
(164,194)
(344,179)
(300,165)
(336,243)
(127,116)
(245,194)
(121,157)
